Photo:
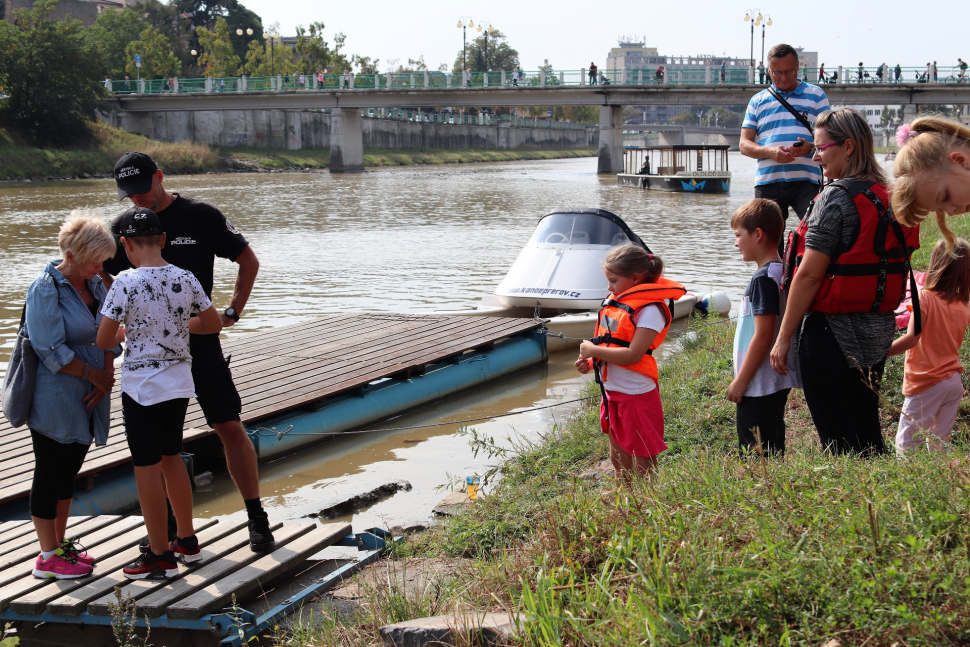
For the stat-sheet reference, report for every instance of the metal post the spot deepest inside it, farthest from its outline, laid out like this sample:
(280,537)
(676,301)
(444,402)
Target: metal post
(623,77)
(503,78)
(841,77)
(640,77)
(279,81)
(751,74)
(707,75)
(582,76)
(542,78)
(208,84)
(485,79)
(175,84)
(426,79)
(315,79)
(562,78)
(350,81)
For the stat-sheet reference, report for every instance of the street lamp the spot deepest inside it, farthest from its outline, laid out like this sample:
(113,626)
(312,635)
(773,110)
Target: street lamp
(195,59)
(272,57)
(488,30)
(463,23)
(249,32)
(750,17)
(767,23)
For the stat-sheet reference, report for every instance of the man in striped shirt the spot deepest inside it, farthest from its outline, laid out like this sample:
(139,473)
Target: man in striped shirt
(781,144)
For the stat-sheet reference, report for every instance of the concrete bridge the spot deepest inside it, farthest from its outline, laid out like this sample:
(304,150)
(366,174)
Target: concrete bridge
(346,139)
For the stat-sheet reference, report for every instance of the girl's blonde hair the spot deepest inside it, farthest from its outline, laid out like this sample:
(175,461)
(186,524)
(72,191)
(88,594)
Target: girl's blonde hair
(844,124)
(627,260)
(949,271)
(925,157)
(86,237)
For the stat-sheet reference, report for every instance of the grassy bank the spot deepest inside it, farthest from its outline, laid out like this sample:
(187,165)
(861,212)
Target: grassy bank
(19,161)
(717,550)
(250,158)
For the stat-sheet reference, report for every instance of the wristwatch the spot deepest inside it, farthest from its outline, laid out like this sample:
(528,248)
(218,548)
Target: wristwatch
(232,314)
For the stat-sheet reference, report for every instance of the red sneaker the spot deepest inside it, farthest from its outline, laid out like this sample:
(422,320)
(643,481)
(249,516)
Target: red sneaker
(186,548)
(152,567)
(77,552)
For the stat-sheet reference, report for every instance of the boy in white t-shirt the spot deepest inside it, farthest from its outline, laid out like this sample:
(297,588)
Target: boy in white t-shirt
(155,302)
(760,392)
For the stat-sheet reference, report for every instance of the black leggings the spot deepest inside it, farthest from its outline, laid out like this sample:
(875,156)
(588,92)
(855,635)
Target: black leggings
(844,408)
(55,467)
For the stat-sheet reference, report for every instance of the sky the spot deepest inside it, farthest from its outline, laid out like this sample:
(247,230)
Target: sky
(570,34)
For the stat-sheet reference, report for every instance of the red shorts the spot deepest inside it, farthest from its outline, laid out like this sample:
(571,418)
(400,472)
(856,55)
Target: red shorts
(636,422)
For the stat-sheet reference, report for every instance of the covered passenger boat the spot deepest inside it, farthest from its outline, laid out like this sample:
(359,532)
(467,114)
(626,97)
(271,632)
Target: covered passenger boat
(680,168)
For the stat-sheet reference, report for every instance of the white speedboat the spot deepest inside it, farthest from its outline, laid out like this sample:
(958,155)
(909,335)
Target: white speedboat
(558,276)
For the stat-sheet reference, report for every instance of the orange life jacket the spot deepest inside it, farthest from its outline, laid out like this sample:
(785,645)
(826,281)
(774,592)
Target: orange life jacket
(871,275)
(615,327)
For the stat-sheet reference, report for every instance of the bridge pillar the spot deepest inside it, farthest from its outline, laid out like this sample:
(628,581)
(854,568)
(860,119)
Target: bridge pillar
(611,140)
(294,130)
(909,112)
(346,141)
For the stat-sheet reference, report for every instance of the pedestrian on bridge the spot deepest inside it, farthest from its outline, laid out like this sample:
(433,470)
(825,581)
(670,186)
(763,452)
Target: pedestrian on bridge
(592,73)
(761,72)
(777,131)
(898,72)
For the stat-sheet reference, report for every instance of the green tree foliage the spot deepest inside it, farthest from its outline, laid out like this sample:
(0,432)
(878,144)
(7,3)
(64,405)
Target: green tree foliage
(686,118)
(365,65)
(112,32)
(217,56)
(205,13)
(501,56)
(53,73)
(582,114)
(268,59)
(315,54)
(157,59)
(176,28)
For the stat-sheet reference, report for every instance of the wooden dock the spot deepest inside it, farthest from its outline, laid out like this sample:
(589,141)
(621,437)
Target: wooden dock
(293,367)
(228,568)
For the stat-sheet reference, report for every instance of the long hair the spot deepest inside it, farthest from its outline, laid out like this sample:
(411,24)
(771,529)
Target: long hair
(949,271)
(844,124)
(924,157)
(627,260)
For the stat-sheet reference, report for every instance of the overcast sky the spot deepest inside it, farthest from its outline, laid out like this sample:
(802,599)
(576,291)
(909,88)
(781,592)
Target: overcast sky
(571,33)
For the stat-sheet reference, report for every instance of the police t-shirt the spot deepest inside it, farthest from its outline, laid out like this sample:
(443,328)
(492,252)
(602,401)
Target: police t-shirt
(195,233)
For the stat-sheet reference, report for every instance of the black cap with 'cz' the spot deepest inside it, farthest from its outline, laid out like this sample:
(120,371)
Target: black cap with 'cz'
(139,221)
(134,173)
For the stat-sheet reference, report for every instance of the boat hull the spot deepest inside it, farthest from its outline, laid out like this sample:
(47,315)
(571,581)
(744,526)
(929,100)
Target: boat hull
(720,183)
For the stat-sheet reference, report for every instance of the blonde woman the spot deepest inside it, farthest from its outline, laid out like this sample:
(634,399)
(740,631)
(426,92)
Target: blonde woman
(932,172)
(840,305)
(70,408)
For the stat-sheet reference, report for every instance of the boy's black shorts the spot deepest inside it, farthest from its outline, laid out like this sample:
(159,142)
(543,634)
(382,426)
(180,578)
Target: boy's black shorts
(153,431)
(214,389)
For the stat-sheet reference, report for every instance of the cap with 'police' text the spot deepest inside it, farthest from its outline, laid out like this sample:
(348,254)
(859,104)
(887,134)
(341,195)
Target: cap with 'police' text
(134,173)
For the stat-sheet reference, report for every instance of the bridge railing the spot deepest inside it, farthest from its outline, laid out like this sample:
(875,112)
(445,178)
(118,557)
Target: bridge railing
(672,75)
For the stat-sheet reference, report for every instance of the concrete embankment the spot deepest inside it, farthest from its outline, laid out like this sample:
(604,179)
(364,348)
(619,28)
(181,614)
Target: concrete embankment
(305,129)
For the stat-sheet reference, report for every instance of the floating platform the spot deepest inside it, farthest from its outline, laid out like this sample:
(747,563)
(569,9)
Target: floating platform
(304,383)
(199,597)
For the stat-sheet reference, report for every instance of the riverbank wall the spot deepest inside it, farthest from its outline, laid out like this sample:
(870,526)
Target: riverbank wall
(307,129)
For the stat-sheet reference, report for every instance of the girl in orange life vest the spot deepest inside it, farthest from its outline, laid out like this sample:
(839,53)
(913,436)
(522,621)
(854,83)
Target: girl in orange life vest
(932,172)
(931,380)
(632,323)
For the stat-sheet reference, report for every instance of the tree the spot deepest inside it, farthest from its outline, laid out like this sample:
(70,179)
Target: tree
(686,118)
(157,59)
(501,56)
(217,56)
(204,13)
(53,74)
(112,31)
(365,65)
(315,53)
(582,114)
(890,117)
(267,59)
(174,26)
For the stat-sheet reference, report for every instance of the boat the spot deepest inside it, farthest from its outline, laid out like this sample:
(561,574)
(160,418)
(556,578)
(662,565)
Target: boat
(558,277)
(679,168)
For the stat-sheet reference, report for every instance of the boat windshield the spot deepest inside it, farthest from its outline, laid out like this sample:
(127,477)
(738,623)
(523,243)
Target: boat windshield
(578,229)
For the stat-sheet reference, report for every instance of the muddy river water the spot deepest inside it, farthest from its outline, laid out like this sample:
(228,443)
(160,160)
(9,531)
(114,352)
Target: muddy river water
(412,239)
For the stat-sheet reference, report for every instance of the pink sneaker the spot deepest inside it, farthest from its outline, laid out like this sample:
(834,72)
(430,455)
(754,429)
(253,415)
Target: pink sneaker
(74,548)
(60,566)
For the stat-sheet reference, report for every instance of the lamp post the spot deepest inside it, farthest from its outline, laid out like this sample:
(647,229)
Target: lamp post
(249,32)
(272,38)
(488,30)
(767,23)
(754,20)
(463,23)
(195,58)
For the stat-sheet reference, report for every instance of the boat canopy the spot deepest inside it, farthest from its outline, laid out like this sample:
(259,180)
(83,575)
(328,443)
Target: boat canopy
(569,227)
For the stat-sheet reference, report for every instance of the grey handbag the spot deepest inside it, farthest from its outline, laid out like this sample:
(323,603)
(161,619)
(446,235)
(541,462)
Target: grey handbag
(18,383)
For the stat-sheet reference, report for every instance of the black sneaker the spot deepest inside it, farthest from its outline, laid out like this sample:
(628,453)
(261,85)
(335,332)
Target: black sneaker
(143,543)
(260,536)
(153,567)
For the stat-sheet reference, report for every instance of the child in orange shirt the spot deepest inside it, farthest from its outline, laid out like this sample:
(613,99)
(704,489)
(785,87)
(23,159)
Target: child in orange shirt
(931,379)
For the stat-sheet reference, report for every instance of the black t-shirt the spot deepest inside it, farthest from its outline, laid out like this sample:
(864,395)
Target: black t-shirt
(196,232)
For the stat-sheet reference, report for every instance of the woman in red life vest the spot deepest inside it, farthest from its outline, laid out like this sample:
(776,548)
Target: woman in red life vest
(932,172)
(846,269)
(632,323)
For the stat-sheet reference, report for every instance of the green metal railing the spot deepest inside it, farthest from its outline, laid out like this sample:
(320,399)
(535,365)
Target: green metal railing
(671,75)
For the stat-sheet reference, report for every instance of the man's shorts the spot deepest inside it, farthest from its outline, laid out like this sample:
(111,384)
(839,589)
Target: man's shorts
(214,389)
(153,431)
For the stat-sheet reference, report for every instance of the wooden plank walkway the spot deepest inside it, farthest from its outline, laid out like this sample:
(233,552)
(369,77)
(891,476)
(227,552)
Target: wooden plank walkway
(228,567)
(292,367)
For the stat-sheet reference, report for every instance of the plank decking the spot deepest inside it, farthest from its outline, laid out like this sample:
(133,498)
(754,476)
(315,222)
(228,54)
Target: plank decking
(288,368)
(228,567)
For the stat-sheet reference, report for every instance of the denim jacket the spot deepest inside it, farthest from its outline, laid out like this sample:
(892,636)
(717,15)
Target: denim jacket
(61,327)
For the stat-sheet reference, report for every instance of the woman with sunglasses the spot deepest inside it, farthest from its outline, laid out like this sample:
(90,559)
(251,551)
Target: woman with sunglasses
(840,309)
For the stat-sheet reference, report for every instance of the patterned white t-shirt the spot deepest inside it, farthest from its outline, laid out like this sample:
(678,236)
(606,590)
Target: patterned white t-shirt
(154,304)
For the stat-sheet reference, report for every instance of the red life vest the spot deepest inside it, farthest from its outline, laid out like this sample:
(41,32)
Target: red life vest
(615,327)
(871,275)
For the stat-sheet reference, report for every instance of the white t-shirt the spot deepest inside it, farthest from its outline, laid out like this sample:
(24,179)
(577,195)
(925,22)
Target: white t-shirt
(625,380)
(155,304)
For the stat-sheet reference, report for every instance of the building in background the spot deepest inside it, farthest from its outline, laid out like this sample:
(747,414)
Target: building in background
(87,11)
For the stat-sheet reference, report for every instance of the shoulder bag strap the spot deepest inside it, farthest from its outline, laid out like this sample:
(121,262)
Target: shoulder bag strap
(787,106)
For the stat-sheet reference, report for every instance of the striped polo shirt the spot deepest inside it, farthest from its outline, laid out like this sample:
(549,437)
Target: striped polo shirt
(775,126)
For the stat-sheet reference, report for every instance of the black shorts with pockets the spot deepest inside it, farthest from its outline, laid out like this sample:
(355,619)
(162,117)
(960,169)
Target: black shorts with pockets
(214,388)
(155,430)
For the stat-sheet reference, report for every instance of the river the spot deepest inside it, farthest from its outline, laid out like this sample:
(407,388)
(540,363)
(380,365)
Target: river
(409,239)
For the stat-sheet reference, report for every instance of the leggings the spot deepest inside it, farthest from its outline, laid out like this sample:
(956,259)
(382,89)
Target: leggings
(844,408)
(55,467)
